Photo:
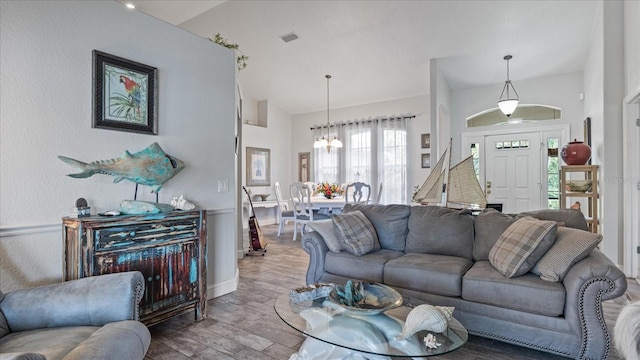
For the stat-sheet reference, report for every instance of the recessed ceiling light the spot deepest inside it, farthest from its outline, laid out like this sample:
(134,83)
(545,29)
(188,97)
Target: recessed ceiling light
(130,5)
(289,37)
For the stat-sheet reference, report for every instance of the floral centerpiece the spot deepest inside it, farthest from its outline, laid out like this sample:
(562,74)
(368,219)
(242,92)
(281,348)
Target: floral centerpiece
(329,190)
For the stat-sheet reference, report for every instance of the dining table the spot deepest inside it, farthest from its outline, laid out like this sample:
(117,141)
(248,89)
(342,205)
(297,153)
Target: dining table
(334,205)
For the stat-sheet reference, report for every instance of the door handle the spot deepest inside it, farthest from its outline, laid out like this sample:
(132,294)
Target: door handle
(488,184)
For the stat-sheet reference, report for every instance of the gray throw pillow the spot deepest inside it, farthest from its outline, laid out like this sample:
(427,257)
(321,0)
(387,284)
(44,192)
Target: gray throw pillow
(326,229)
(521,245)
(571,246)
(355,232)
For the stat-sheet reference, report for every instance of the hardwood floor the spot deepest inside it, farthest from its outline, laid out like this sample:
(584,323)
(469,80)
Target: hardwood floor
(243,324)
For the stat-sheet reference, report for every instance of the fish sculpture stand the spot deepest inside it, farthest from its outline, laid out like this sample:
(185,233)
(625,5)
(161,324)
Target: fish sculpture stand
(151,167)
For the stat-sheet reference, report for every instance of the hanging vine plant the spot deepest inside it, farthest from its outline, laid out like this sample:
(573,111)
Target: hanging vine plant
(241,59)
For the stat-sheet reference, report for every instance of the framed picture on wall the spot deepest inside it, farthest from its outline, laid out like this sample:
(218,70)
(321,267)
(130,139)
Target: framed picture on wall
(426,160)
(124,95)
(425,141)
(304,165)
(258,167)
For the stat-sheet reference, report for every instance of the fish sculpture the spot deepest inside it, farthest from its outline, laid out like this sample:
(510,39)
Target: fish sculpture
(151,167)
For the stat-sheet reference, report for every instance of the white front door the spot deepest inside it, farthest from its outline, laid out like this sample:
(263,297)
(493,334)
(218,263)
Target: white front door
(512,168)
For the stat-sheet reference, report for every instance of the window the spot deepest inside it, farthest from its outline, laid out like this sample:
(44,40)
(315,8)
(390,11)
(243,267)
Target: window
(374,152)
(553,174)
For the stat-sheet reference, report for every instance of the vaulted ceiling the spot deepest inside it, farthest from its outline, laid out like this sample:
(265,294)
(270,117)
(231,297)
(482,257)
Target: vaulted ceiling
(380,50)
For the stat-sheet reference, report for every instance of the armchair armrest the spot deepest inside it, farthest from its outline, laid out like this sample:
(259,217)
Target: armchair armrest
(91,301)
(588,283)
(314,245)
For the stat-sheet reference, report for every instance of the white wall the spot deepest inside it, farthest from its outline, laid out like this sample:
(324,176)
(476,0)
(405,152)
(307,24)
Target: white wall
(302,136)
(46,87)
(604,79)
(440,98)
(632,45)
(562,91)
(276,137)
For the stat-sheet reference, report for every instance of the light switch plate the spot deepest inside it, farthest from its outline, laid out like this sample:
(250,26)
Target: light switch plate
(223,185)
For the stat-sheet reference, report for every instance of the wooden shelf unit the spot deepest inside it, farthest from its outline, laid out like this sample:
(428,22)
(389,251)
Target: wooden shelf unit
(589,172)
(169,249)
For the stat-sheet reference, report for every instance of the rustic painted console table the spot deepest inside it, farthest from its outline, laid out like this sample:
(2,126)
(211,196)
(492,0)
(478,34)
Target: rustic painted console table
(170,249)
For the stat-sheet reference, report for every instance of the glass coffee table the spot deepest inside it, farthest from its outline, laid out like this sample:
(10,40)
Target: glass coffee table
(336,334)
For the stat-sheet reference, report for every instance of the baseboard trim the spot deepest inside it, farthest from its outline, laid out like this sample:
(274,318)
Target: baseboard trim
(225,287)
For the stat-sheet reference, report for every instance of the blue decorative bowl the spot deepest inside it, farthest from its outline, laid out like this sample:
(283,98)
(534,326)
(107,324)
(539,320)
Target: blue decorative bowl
(377,298)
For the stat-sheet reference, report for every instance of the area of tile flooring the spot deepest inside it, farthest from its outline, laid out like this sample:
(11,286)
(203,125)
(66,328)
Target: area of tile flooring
(243,324)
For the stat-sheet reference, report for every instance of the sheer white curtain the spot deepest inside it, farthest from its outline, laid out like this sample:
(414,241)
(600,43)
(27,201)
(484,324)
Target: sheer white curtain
(359,152)
(392,160)
(326,167)
(374,152)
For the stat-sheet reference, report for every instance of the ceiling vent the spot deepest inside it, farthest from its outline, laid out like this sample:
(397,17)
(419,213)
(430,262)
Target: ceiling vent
(289,37)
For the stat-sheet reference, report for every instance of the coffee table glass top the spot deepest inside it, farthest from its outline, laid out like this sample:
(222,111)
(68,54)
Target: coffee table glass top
(325,321)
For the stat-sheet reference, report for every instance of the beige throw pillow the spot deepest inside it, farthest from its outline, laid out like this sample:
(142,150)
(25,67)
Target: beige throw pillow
(571,246)
(355,232)
(521,245)
(326,229)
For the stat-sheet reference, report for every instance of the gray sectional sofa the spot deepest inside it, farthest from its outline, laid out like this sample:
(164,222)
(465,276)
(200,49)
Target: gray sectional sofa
(441,256)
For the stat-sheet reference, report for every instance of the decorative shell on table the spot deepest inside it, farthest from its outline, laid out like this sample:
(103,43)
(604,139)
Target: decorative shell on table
(426,317)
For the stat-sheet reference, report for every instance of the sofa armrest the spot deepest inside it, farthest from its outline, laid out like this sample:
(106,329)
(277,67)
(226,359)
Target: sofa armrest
(588,283)
(314,245)
(117,340)
(91,301)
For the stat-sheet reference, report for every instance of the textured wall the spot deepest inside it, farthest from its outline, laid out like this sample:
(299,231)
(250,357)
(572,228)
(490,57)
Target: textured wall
(45,66)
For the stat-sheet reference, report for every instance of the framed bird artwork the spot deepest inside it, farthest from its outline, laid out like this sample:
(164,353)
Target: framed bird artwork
(124,94)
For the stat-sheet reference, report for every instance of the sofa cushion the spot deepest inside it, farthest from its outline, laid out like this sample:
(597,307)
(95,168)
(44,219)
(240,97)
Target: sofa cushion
(390,222)
(521,245)
(326,229)
(489,225)
(567,217)
(571,246)
(440,231)
(484,284)
(53,343)
(368,267)
(356,233)
(434,274)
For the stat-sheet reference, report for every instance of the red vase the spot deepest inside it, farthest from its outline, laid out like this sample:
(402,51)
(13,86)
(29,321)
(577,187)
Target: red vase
(575,153)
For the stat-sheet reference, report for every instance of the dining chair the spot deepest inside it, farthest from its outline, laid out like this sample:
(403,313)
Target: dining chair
(302,211)
(284,214)
(354,192)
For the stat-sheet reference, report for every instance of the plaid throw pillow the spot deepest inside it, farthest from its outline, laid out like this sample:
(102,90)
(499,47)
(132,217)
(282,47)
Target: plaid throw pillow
(571,246)
(521,245)
(355,232)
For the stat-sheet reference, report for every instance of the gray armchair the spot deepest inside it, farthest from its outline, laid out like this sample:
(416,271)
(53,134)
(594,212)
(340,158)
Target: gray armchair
(89,318)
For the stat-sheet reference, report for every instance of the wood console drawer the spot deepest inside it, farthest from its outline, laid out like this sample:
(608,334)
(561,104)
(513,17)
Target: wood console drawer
(144,234)
(169,249)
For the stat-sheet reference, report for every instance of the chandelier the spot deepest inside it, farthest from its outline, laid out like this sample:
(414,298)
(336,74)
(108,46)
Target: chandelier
(324,142)
(508,104)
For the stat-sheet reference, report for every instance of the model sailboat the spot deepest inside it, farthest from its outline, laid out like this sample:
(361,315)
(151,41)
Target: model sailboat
(455,186)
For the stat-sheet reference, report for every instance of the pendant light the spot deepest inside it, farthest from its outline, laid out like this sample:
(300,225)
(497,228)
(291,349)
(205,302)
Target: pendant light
(325,142)
(508,103)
